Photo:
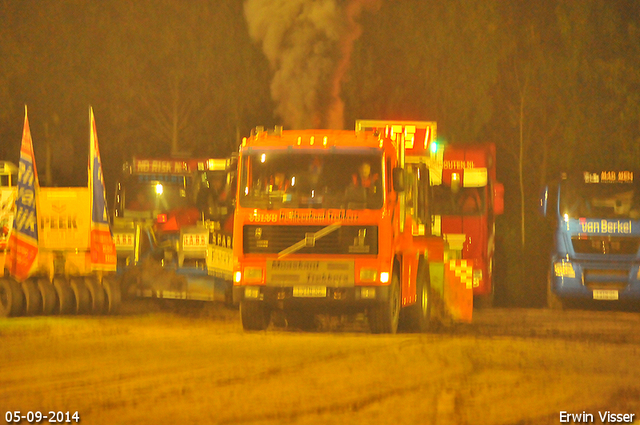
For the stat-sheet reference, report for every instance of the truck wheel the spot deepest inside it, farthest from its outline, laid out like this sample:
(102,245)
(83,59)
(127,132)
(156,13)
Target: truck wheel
(83,297)
(49,297)
(384,317)
(111,287)
(255,315)
(97,294)
(417,317)
(66,298)
(32,298)
(11,298)
(553,301)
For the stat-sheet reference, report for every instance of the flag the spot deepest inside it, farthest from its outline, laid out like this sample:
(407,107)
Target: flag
(24,237)
(103,250)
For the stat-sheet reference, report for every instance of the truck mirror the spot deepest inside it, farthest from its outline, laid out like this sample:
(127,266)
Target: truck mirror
(398,179)
(543,202)
(498,198)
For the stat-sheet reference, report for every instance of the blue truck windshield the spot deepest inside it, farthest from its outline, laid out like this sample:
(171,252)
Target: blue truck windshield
(599,200)
(311,179)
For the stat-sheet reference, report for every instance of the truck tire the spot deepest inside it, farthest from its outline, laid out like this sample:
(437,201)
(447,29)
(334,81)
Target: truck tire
(417,317)
(97,294)
(113,299)
(49,297)
(83,297)
(66,298)
(255,315)
(32,298)
(384,317)
(553,301)
(11,298)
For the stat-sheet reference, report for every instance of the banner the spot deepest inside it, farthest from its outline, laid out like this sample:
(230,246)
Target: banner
(103,250)
(23,241)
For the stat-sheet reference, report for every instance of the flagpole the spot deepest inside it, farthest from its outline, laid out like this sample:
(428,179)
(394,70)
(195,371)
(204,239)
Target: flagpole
(90,168)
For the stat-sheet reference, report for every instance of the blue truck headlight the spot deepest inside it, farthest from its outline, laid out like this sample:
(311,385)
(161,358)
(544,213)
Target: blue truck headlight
(564,268)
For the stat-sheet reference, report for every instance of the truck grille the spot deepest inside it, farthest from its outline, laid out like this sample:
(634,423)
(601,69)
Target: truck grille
(358,240)
(606,245)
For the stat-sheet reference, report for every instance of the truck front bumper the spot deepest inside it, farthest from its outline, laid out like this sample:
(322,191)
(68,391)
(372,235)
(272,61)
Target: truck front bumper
(331,298)
(595,280)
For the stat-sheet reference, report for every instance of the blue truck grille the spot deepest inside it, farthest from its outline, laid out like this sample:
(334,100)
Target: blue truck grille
(606,245)
(268,239)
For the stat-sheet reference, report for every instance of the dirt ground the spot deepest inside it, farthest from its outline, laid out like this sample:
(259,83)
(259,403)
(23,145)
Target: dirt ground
(509,367)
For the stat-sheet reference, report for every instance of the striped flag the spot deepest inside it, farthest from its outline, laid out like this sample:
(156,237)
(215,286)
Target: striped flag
(24,237)
(103,250)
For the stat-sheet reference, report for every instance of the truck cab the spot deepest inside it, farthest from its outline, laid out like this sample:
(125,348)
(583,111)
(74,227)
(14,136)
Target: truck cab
(171,218)
(337,222)
(467,198)
(596,253)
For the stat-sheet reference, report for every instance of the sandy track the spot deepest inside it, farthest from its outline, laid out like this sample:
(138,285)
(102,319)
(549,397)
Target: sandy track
(509,367)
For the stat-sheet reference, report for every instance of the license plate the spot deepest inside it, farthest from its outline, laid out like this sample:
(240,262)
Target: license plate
(604,294)
(310,291)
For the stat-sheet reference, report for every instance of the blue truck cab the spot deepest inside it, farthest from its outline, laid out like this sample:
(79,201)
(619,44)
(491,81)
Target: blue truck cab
(596,237)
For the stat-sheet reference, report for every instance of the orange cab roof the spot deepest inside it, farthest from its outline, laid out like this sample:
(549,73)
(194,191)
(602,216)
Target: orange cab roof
(313,139)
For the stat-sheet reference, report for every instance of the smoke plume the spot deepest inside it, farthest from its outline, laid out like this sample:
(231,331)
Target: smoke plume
(308,44)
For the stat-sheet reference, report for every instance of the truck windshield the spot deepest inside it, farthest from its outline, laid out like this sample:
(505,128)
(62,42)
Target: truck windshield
(153,197)
(599,200)
(466,201)
(309,179)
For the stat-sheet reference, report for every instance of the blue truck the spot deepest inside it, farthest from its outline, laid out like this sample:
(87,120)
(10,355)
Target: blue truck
(596,237)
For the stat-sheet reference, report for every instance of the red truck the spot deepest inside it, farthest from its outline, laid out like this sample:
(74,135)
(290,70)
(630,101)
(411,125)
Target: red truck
(466,200)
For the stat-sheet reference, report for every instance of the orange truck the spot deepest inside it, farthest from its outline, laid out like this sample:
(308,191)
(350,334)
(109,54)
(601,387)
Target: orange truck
(338,222)
(466,200)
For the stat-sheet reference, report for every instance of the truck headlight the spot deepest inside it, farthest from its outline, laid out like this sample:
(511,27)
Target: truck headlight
(564,268)
(477,277)
(384,277)
(368,275)
(251,292)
